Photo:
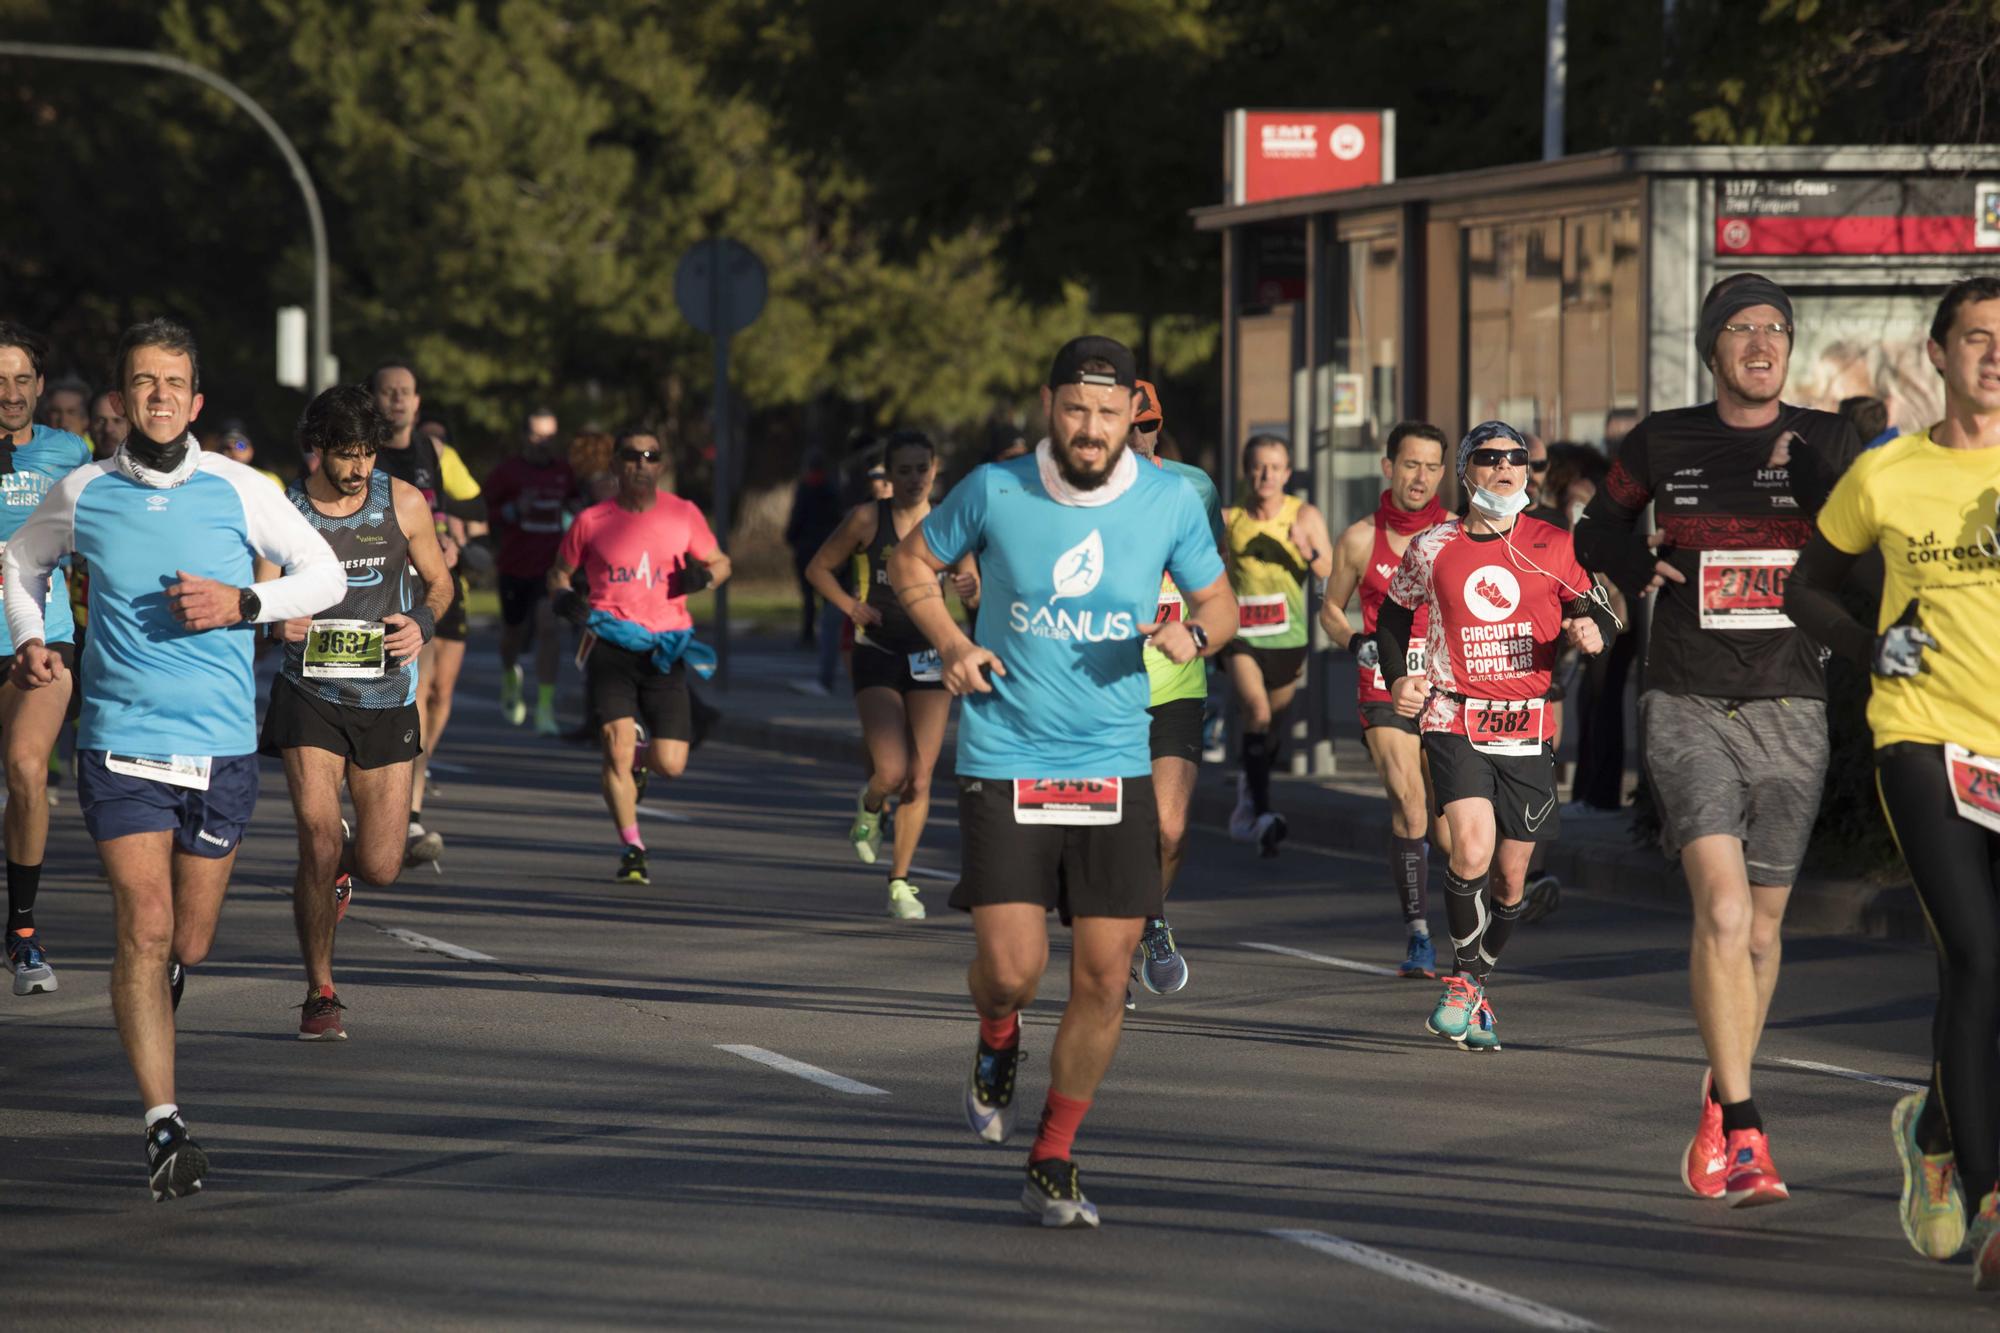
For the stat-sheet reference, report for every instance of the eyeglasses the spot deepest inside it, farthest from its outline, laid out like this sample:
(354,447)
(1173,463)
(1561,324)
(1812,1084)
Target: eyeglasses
(238,445)
(1147,427)
(1497,457)
(1538,465)
(1745,330)
(638,455)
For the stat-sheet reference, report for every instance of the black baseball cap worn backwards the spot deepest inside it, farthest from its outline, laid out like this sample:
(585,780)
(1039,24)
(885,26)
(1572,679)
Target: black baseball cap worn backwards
(1068,365)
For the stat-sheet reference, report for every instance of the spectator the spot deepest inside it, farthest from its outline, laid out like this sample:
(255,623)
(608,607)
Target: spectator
(233,441)
(1575,473)
(1870,419)
(108,426)
(66,406)
(1617,422)
(816,512)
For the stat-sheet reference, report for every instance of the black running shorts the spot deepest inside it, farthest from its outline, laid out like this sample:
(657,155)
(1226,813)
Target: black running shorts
(1176,730)
(65,651)
(451,625)
(518,597)
(626,684)
(369,737)
(1279,666)
(1099,870)
(1378,714)
(880,669)
(1522,787)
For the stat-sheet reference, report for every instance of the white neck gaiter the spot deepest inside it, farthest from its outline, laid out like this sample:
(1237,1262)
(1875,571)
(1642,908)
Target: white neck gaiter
(1123,473)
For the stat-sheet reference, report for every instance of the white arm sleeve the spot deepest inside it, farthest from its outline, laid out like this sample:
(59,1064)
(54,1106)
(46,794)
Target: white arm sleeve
(35,549)
(313,579)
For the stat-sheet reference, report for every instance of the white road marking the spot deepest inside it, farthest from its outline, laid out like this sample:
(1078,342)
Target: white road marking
(1532,1313)
(810,1073)
(1855,1074)
(1370,968)
(932,872)
(673,815)
(425,942)
(442,767)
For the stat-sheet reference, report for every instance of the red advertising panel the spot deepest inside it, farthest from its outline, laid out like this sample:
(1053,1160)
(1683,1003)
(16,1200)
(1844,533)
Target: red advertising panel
(1282,154)
(1855,215)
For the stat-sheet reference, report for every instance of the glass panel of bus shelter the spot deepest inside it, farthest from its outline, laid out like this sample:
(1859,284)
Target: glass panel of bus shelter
(1513,322)
(1600,324)
(1868,343)
(1359,381)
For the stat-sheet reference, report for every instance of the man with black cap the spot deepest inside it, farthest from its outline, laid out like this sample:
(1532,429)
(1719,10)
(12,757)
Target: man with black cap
(1056,809)
(1733,707)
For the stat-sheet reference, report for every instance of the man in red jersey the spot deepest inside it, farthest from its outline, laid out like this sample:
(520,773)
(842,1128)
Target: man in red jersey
(526,498)
(643,552)
(1504,592)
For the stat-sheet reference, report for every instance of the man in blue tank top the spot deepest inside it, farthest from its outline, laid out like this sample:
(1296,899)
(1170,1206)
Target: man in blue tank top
(32,459)
(166,743)
(1056,804)
(344,704)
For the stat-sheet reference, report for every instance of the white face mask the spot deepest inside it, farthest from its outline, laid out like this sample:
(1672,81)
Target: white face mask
(1497,506)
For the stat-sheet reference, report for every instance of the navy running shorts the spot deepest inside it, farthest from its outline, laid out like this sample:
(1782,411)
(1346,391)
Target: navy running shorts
(204,823)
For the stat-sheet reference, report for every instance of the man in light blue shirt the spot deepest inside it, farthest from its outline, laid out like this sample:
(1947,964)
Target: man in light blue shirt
(1056,806)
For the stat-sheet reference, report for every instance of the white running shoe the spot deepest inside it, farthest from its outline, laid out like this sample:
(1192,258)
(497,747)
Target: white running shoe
(903,903)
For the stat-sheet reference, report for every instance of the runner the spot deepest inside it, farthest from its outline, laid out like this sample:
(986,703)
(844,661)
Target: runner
(1503,592)
(1275,541)
(1733,708)
(1055,804)
(898,678)
(643,553)
(167,769)
(1927,503)
(528,498)
(344,704)
(32,459)
(108,426)
(1179,692)
(1366,556)
(430,464)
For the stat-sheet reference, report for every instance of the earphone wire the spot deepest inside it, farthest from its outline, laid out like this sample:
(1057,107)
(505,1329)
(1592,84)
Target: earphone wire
(1595,595)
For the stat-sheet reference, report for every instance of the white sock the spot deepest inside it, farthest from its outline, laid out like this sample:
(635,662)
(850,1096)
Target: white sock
(416,829)
(155,1114)
(1421,929)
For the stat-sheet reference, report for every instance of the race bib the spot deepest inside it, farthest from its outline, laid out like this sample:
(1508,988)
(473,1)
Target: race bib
(1975,785)
(1070,801)
(180,770)
(1262,614)
(344,650)
(1413,664)
(1745,589)
(1171,606)
(927,667)
(1505,726)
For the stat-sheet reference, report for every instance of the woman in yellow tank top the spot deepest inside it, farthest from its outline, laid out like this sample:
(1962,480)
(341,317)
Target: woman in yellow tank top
(1276,543)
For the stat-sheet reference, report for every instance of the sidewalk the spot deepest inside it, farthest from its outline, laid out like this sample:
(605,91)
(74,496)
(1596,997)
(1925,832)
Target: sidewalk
(767,708)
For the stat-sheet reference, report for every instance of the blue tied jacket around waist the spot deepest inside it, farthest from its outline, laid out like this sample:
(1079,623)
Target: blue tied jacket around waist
(666,647)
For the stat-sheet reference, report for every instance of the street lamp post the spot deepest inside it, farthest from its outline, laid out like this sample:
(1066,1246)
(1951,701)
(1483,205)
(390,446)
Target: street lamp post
(111,55)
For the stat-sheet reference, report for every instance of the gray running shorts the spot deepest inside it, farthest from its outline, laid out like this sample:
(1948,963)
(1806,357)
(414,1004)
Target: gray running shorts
(1750,768)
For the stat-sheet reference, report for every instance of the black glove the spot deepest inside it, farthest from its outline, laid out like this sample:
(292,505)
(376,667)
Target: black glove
(1367,652)
(571,606)
(1899,649)
(691,577)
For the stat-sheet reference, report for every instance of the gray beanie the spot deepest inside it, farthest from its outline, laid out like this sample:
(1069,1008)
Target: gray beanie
(1735,293)
(1486,432)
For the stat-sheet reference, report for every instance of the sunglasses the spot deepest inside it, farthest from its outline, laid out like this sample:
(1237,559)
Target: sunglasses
(1147,427)
(1497,457)
(1539,465)
(639,455)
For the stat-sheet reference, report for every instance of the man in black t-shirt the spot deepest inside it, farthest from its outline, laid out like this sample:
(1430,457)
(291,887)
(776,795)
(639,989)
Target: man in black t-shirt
(1734,703)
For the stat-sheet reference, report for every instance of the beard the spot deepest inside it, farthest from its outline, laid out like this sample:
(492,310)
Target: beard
(1074,476)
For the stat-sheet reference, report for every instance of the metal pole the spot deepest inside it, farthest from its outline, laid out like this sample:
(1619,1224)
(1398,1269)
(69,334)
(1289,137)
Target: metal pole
(722,454)
(111,55)
(1555,80)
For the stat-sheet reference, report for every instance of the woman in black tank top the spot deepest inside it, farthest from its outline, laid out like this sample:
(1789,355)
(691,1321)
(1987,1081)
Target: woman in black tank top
(898,679)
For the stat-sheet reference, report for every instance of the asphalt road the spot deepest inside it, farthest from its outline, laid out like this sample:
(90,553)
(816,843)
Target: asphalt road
(568,1116)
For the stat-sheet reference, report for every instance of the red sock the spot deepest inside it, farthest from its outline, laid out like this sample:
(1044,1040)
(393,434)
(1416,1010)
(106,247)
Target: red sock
(1000,1034)
(1061,1118)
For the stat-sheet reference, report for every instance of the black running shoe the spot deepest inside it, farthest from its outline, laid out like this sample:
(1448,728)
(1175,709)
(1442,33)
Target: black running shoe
(989,1092)
(175,1164)
(1055,1194)
(632,867)
(176,981)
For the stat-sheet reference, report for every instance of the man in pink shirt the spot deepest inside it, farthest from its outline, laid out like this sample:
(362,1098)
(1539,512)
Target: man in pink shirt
(643,552)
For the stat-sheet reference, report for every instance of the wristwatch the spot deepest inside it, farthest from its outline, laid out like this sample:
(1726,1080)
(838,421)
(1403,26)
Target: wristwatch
(249,605)
(1199,635)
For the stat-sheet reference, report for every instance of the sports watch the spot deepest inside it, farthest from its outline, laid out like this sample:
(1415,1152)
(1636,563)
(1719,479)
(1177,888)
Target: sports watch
(249,605)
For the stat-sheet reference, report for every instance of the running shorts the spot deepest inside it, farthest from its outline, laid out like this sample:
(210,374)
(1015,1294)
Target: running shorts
(1176,729)
(1522,787)
(627,684)
(204,823)
(368,737)
(1748,768)
(1279,666)
(876,668)
(451,625)
(1385,715)
(518,597)
(1095,870)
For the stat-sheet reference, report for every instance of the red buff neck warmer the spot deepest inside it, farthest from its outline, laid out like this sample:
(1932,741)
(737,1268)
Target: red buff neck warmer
(1403,522)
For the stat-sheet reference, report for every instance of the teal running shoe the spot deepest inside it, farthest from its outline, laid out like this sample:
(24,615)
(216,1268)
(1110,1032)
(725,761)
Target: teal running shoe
(1455,1007)
(1482,1033)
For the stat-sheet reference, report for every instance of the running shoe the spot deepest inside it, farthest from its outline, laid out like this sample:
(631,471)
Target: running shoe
(176,981)
(1933,1212)
(1055,1195)
(1420,960)
(1705,1164)
(319,1017)
(545,721)
(1243,819)
(1573,811)
(423,847)
(512,707)
(989,1092)
(1752,1180)
(1482,1033)
(1983,1237)
(175,1164)
(1162,969)
(1543,896)
(343,895)
(866,831)
(30,962)
(1455,1007)
(632,867)
(1269,831)
(903,904)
